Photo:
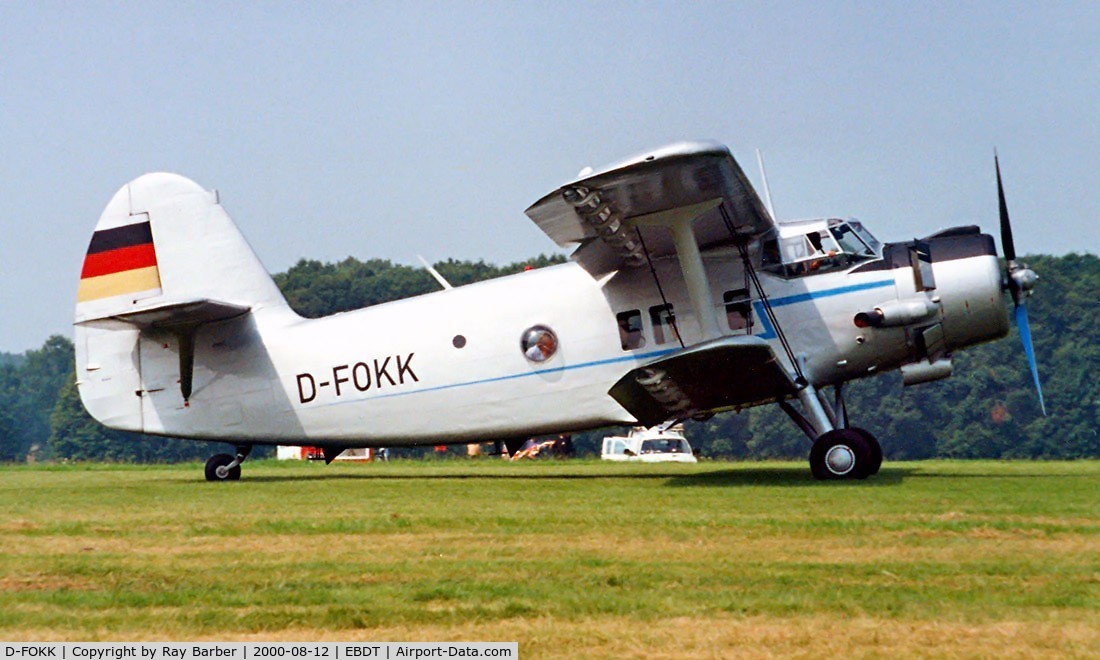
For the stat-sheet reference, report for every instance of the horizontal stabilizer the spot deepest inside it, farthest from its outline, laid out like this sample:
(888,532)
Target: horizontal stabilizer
(180,314)
(708,377)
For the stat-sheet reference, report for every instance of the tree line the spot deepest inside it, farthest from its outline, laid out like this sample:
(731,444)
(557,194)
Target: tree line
(988,409)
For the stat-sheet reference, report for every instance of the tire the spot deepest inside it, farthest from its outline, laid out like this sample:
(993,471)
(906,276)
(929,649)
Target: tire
(220,461)
(876,450)
(841,454)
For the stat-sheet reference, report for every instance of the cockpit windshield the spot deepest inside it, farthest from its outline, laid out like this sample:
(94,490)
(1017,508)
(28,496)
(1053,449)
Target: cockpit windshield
(821,246)
(866,237)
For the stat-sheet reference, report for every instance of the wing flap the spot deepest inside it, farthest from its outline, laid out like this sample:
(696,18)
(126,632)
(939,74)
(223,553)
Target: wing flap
(708,377)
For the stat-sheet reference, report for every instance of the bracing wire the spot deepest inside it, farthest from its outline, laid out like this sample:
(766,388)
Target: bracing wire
(742,248)
(660,289)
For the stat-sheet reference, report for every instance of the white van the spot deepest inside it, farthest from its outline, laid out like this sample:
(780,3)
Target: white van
(649,446)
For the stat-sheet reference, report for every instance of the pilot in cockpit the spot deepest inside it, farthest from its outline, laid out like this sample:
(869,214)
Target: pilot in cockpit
(831,244)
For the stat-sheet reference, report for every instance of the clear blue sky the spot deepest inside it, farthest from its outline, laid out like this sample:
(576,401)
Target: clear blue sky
(336,129)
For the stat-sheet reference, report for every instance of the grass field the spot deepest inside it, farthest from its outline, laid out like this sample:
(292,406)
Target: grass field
(567,558)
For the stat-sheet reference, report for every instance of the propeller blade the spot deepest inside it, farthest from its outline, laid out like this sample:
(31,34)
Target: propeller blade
(1007,245)
(1029,350)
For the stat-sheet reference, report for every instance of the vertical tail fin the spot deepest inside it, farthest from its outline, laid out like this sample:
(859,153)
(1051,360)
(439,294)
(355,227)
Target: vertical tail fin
(165,259)
(163,239)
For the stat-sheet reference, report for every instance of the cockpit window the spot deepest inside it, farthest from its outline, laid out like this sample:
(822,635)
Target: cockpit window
(865,236)
(815,241)
(849,241)
(837,247)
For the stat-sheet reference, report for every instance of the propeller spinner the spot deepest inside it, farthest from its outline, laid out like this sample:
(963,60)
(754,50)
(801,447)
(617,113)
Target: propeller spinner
(1021,280)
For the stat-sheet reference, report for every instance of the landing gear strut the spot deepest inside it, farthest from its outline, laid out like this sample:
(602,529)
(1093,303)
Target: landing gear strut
(223,467)
(839,451)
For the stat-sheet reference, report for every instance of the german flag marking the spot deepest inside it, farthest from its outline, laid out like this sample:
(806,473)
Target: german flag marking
(105,240)
(120,260)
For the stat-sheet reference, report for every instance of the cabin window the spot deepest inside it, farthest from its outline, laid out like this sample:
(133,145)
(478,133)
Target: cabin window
(538,343)
(630,329)
(664,324)
(738,309)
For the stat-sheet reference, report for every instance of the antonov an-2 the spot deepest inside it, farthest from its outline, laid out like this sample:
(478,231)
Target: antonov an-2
(684,298)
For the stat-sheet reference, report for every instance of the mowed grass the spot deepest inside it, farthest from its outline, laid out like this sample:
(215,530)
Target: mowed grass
(569,558)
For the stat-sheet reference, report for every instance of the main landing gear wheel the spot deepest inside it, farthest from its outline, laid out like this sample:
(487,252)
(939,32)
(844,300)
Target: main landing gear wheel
(876,450)
(217,468)
(841,454)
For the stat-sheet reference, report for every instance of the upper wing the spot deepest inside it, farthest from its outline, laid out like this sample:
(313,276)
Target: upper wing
(708,377)
(611,212)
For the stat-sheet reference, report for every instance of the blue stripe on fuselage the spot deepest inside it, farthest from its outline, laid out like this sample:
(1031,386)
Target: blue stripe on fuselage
(496,379)
(769,333)
(783,301)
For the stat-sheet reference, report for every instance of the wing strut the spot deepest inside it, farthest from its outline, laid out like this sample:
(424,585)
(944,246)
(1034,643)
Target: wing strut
(679,222)
(751,271)
(695,276)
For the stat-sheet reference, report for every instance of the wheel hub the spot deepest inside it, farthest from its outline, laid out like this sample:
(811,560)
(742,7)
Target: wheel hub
(840,459)
(222,471)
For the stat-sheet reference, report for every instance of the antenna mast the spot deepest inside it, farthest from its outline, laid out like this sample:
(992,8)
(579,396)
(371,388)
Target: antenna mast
(435,273)
(767,189)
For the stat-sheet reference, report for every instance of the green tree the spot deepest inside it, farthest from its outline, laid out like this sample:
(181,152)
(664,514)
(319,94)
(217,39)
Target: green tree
(315,289)
(987,409)
(9,445)
(31,390)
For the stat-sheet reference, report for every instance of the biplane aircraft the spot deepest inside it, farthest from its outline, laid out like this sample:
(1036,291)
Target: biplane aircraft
(684,298)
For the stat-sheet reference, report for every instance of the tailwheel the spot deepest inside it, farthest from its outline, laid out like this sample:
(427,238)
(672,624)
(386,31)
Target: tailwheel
(217,468)
(876,450)
(223,467)
(841,454)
